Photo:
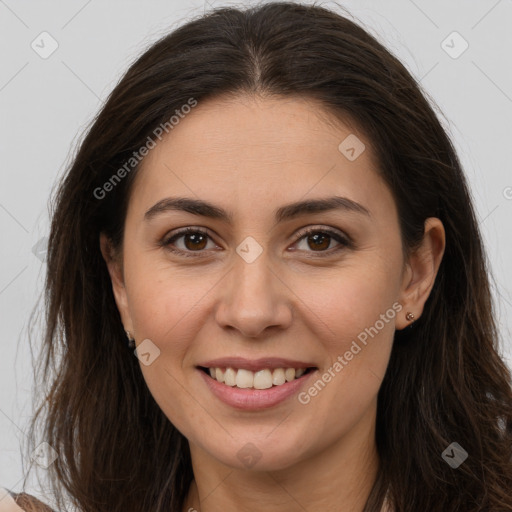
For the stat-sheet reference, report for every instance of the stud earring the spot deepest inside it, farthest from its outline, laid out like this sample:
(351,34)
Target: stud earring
(131,340)
(408,328)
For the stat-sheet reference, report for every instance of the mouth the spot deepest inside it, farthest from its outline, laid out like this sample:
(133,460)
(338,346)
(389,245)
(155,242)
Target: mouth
(264,378)
(258,384)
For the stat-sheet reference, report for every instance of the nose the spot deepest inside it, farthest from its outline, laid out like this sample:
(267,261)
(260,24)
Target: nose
(253,299)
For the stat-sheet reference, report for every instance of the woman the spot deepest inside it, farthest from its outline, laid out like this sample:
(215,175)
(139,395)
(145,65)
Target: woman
(269,210)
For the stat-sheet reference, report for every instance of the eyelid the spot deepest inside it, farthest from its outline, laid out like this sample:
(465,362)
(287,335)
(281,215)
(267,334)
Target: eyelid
(323,229)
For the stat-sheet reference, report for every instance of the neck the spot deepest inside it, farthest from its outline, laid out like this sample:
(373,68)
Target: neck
(338,478)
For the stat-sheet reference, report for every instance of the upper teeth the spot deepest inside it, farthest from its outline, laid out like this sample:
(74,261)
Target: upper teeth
(262,379)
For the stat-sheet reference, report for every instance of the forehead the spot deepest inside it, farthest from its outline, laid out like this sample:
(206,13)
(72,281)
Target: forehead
(258,151)
(278,129)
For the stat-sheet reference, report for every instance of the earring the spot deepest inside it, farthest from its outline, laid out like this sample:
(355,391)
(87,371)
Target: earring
(131,340)
(402,333)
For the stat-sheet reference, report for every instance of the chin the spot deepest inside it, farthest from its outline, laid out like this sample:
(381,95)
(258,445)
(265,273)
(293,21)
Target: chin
(270,453)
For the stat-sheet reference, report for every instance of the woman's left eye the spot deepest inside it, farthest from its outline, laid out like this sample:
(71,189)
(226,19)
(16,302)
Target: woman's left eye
(321,239)
(195,240)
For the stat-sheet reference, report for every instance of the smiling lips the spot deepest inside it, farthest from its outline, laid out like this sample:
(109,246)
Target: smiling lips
(254,384)
(262,379)
(247,396)
(255,374)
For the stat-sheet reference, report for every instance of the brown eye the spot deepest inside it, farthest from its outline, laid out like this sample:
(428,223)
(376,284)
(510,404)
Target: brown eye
(319,240)
(194,240)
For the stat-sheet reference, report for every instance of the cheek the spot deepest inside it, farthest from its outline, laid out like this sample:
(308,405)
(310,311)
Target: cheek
(351,301)
(353,315)
(164,301)
(358,347)
(165,308)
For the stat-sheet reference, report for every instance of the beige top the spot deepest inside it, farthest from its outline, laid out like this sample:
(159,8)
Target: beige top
(7,503)
(20,502)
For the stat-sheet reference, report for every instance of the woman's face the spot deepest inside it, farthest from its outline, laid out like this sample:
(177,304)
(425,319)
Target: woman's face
(255,290)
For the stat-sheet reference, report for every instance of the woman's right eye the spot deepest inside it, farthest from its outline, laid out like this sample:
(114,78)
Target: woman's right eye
(193,240)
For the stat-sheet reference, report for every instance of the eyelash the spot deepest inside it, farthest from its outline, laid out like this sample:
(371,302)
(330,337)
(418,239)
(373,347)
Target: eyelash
(342,240)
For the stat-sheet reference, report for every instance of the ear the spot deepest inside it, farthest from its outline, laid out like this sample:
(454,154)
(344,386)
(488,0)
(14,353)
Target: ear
(115,269)
(421,271)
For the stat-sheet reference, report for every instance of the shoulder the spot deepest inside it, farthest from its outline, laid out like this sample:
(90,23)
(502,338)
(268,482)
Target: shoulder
(12,502)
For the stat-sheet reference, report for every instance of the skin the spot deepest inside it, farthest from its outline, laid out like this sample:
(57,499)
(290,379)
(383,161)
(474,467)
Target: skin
(251,155)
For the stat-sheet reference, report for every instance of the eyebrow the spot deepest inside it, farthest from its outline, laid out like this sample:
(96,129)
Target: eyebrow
(287,212)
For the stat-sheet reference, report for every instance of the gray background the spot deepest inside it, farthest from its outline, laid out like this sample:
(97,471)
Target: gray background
(46,103)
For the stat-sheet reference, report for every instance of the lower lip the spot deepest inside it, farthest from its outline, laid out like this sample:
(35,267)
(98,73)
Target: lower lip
(251,399)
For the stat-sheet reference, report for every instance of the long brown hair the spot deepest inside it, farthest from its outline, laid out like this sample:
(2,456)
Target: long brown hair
(445,381)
